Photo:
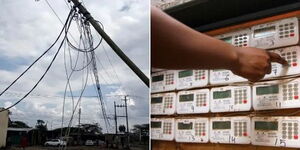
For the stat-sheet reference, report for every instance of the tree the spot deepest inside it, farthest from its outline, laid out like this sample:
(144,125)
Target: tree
(122,128)
(40,125)
(17,124)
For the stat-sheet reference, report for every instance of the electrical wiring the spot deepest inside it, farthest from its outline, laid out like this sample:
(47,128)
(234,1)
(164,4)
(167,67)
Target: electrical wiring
(35,61)
(41,78)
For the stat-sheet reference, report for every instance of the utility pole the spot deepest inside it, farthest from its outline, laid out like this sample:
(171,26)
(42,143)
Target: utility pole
(79,114)
(116,122)
(126,113)
(110,42)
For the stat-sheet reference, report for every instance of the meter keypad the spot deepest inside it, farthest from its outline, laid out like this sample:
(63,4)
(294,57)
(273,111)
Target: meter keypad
(241,40)
(240,96)
(200,100)
(291,58)
(286,30)
(290,91)
(290,130)
(168,103)
(199,75)
(200,129)
(170,79)
(167,128)
(240,129)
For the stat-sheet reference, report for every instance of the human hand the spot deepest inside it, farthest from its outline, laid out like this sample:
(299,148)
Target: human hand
(253,63)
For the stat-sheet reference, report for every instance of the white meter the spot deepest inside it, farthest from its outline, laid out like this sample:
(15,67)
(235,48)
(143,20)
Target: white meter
(221,76)
(191,78)
(162,129)
(192,130)
(193,101)
(292,56)
(163,81)
(276,131)
(275,34)
(234,130)
(276,94)
(163,104)
(230,98)
(240,38)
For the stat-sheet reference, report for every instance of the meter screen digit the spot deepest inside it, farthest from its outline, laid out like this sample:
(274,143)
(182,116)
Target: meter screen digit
(185,126)
(155,124)
(221,125)
(156,100)
(263,125)
(227,39)
(185,73)
(273,89)
(157,78)
(264,32)
(221,94)
(186,98)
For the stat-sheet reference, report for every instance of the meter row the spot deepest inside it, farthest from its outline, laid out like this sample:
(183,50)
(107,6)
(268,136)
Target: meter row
(277,94)
(280,131)
(272,35)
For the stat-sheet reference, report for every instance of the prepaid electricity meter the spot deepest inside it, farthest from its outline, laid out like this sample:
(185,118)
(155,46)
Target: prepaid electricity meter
(163,104)
(192,130)
(277,94)
(230,98)
(234,130)
(276,131)
(163,81)
(162,129)
(275,34)
(191,78)
(193,101)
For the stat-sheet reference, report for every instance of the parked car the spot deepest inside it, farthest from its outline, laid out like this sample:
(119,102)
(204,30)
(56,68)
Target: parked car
(55,142)
(89,142)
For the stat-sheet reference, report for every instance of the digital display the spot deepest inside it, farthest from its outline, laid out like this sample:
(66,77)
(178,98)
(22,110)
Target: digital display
(185,126)
(155,124)
(185,73)
(264,125)
(227,39)
(221,125)
(221,94)
(273,89)
(158,78)
(185,98)
(264,32)
(156,100)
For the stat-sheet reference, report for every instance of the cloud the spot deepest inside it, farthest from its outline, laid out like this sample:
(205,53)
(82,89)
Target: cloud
(24,37)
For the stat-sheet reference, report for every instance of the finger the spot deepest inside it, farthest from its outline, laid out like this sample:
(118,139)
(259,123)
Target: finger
(274,57)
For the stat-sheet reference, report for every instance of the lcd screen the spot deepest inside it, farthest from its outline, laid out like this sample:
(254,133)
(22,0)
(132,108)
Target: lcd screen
(185,126)
(157,78)
(227,39)
(156,100)
(221,94)
(185,98)
(273,89)
(264,125)
(221,125)
(185,73)
(155,124)
(264,32)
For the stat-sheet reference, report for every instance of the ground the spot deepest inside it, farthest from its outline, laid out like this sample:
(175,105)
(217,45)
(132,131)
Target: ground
(139,147)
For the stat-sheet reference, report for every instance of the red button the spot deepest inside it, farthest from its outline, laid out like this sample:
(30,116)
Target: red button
(245,101)
(169,132)
(203,77)
(294,64)
(292,34)
(296,137)
(203,134)
(245,134)
(204,104)
(170,106)
(296,97)
(245,44)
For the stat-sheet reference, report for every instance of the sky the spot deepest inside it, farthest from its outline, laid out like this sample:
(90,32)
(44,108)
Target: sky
(28,28)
